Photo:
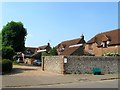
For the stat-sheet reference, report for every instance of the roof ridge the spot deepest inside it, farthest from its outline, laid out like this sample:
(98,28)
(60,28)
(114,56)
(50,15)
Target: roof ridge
(70,40)
(109,31)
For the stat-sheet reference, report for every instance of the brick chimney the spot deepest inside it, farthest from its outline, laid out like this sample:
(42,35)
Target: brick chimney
(82,36)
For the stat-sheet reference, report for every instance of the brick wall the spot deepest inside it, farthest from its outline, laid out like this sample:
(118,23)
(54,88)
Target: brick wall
(79,64)
(100,51)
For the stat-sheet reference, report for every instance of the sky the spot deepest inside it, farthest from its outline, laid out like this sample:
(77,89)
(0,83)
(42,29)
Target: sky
(55,22)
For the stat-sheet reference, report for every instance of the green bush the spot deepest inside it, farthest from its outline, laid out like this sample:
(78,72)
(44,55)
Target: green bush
(52,52)
(6,65)
(7,52)
(111,54)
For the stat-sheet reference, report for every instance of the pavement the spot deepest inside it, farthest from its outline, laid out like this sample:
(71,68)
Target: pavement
(25,76)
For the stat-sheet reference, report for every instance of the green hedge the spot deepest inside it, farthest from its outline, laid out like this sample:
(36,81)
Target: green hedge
(6,65)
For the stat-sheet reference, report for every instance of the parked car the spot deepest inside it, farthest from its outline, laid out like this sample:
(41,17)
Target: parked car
(20,60)
(37,62)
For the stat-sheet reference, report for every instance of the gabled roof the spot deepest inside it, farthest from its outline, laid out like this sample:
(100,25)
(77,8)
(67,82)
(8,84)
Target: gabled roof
(73,43)
(33,49)
(43,47)
(69,51)
(112,36)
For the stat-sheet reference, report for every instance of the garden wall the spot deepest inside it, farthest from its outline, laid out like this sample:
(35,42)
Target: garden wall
(80,64)
(53,64)
(85,64)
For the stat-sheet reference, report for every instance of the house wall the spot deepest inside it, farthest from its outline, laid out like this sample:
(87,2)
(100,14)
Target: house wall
(52,64)
(79,64)
(100,51)
(28,60)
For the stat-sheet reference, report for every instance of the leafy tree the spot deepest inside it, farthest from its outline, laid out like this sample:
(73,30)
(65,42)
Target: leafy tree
(45,54)
(7,52)
(0,40)
(13,34)
(0,45)
(53,51)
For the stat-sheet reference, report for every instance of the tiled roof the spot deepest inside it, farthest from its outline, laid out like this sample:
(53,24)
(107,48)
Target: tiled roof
(33,49)
(113,36)
(69,51)
(66,45)
(43,47)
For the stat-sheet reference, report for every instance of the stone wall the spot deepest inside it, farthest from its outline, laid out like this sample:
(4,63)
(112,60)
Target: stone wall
(85,64)
(53,64)
(80,64)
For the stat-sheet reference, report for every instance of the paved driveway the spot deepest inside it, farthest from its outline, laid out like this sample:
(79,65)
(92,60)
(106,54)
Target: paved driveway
(29,76)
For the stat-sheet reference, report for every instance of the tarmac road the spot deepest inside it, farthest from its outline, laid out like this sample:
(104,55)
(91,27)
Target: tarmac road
(92,84)
(34,77)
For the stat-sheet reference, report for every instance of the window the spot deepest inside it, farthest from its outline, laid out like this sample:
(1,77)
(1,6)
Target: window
(104,44)
(90,47)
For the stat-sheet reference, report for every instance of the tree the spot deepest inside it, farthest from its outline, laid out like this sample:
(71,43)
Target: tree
(52,52)
(7,52)
(13,34)
(0,40)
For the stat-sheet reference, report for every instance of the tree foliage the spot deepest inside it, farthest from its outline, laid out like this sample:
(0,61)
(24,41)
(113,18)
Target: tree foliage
(7,52)
(13,34)
(52,52)
(0,40)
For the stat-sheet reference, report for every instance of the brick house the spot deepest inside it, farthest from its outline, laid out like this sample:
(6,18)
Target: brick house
(30,50)
(104,43)
(45,48)
(32,53)
(71,47)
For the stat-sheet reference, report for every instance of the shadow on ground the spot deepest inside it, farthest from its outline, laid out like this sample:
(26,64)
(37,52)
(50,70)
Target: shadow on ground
(19,70)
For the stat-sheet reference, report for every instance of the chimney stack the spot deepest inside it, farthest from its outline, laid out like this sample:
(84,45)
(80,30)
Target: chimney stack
(82,36)
(48,44)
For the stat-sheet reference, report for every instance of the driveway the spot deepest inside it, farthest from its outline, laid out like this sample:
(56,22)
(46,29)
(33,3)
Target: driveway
(29,70)
(32,76)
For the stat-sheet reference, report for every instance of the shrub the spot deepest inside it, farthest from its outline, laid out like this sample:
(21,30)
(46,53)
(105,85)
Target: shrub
(52,52)
(7,52)
(6,65)
(44,54)
(111,54)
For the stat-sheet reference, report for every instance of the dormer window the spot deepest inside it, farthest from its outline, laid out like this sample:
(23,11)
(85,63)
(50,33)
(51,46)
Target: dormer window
(108,42)
(105,43)
(63,49)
